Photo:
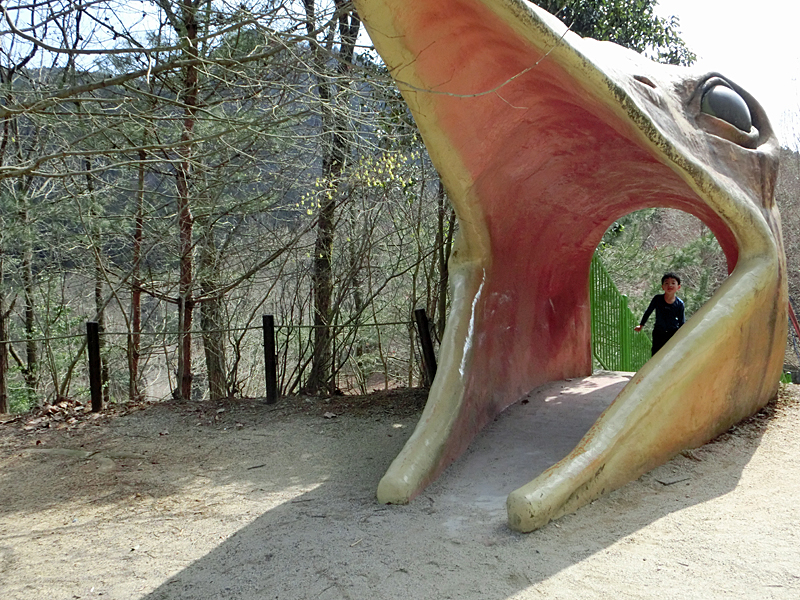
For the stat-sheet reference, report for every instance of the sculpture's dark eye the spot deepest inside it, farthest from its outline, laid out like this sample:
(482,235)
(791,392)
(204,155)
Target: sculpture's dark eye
(722,102)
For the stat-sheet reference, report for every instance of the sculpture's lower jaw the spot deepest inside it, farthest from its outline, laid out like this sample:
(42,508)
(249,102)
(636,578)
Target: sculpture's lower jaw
(441,435)
(721,367)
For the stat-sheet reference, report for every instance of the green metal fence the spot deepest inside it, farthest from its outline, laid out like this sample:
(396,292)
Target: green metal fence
(615,346)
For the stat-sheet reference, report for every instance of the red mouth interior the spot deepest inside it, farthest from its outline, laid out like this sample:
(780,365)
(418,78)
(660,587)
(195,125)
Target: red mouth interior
(552,168)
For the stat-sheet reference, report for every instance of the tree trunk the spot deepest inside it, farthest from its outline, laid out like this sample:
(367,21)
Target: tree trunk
(3,338)
(319,379)
(357,258)
(444,246)
(134,336)
(211,319)
(99,303)
(334,158)
(214,346)
(185,218)
(101,322)
(31,371)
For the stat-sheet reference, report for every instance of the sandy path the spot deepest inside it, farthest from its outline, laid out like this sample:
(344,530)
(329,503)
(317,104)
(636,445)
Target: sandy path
(182,501)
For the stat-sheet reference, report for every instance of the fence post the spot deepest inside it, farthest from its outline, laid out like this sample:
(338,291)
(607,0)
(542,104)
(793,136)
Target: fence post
(93,348)
(3,358)
(270,364)
(428,355)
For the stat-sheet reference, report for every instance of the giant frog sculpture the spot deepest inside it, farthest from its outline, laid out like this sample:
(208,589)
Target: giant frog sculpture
(542,140)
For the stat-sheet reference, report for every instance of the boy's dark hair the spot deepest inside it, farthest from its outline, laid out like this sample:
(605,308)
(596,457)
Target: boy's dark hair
(670,275)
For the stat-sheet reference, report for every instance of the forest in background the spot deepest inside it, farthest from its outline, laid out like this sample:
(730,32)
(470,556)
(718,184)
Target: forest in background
(175,170)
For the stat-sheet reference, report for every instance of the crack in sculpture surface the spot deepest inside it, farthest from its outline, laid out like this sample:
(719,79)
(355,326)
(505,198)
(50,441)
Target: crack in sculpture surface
(572,135)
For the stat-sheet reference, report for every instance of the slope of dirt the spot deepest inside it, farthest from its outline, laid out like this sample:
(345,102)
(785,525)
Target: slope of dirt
(248,501)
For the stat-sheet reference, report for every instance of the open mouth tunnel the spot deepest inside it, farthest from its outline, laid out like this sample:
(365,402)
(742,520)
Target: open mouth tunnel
(543,140)
(627,268)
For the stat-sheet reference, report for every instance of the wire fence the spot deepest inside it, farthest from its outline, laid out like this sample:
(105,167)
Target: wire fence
(397,353)
(383,355)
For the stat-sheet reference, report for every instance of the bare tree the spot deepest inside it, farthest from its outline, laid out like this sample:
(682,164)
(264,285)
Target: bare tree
(217,160)
(331,85)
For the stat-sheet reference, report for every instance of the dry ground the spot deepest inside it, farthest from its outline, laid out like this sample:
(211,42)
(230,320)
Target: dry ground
(247,501)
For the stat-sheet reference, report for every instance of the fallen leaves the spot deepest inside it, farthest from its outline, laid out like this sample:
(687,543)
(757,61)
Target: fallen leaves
(66,414)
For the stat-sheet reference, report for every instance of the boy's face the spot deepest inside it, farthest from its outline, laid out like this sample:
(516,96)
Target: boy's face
(670,285)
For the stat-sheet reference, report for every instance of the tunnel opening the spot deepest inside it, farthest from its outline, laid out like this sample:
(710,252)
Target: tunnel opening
(636,250)
(550,421)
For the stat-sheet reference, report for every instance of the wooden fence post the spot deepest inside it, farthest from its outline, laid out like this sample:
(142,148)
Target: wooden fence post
(3,359)
(270,364)
(428,355)
(95,380)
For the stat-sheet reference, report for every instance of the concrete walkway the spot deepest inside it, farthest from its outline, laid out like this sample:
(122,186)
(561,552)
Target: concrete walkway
(527,438)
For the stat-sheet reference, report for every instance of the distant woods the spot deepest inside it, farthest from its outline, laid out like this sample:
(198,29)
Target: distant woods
(174,170)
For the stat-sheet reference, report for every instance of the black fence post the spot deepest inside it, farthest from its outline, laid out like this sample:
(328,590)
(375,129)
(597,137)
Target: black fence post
(95,381)
(428,355)
(270,364)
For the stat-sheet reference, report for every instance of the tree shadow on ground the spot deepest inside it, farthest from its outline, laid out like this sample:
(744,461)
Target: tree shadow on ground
(336,541)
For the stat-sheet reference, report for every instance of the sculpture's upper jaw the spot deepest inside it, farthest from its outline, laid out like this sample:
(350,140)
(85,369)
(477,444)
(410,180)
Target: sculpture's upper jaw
(711,131)
(543,139)
(491,82)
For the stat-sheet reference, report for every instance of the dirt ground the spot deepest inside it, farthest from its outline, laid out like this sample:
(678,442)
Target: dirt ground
(248,501)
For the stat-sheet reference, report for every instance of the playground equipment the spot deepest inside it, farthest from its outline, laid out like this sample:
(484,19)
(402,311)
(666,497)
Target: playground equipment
(542,140)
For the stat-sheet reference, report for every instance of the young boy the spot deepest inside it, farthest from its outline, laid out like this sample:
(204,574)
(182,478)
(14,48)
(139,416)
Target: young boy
(669,311)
